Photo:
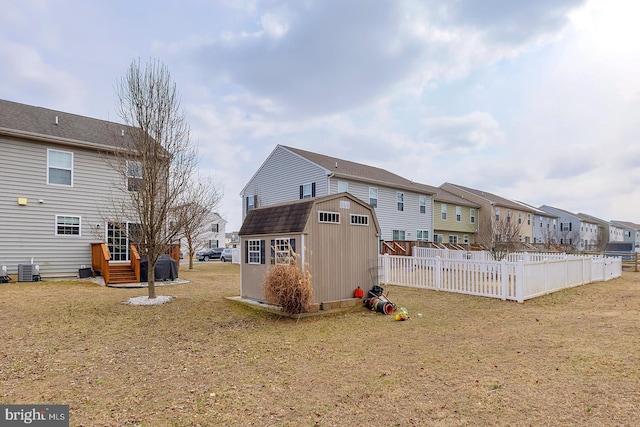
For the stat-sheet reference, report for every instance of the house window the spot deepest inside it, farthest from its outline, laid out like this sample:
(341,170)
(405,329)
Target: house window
(308,190)
(67,225)
(527,239)
(134,176)
(453,239)
(565,226)
(458,213)
(422,235)
(331,217)
(400,199)
(472,216)
(373,197)
(255,251)
(437,238)
(59,167)
(398,234)
(343,186)
(422,201)
(508,215)
(215,228)
(281,251)
(359,219)
(250,203)
(465,238)
(213,244)
(497,214)
(443,212)
(519,217)
(528,219)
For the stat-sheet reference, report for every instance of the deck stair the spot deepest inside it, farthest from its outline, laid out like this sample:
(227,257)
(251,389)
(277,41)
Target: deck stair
(121,273)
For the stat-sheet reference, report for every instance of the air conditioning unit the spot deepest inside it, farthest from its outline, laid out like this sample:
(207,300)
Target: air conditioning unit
(3,275)
(28,273)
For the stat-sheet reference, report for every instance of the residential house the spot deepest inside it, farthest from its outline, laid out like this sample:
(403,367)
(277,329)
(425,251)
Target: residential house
(575,232)
(232,240)
(630,232)
(605,231)
(545,228)
(497,210)
(57,189)
(455,219)
(335,237)
(404,208)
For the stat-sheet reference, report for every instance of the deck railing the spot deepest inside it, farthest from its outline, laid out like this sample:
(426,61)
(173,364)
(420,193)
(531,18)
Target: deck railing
(100,257)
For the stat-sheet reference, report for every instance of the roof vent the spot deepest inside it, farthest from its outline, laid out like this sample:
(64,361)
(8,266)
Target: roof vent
(122,132)
(56,120)
(336,164)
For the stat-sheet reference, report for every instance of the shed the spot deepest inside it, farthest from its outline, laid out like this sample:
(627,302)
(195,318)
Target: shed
(336,237)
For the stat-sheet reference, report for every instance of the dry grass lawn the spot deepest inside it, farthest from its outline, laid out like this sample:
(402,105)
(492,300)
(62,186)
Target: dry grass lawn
(567,359)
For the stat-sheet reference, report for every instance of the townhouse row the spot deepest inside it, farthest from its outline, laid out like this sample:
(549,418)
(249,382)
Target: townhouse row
(408,211)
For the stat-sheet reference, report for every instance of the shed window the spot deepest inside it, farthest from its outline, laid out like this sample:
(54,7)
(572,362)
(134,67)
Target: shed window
(67,225)
(359,219)
(332,217)
(281,250)
(59,167)
(254,251)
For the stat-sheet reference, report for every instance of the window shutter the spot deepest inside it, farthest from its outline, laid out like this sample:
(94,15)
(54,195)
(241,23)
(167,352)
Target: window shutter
(262,257)
(301,191)
(292,243)
(246,252)
(255,201)
(313,189)
(273,251)
(569,226)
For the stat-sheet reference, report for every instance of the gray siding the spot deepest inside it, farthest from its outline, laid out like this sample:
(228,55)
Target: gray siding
(389,218)
(29,231)
(279,178)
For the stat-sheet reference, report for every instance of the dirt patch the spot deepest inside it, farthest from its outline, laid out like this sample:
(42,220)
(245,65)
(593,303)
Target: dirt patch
(569,358)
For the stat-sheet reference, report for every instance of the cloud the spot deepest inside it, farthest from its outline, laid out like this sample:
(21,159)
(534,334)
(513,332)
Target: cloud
(471,132)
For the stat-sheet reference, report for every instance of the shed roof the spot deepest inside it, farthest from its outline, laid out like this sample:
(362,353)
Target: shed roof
(289,217)
(33,122)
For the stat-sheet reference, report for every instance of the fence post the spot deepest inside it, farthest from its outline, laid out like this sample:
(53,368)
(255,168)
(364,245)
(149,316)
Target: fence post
(386,267)
(636,263)
(504,275)
(438,271)
(520,281)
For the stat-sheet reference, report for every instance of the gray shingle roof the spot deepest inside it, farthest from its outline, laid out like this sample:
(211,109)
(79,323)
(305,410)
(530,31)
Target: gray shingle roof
(361,172)
(493,198)
(275,219)
(31,121)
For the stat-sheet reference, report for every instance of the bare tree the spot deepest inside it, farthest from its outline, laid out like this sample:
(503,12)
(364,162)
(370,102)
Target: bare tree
(157,161)
(501,235)
(195,214)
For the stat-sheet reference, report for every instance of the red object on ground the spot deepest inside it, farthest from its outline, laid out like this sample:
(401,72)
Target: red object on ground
(358,293)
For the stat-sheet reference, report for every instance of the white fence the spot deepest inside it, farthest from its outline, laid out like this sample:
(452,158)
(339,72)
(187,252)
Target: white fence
(509,280)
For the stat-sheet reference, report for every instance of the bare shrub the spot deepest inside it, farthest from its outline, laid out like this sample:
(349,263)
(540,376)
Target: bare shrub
(289,287)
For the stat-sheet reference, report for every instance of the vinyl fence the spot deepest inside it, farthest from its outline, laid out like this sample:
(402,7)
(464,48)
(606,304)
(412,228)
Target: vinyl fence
(524,277)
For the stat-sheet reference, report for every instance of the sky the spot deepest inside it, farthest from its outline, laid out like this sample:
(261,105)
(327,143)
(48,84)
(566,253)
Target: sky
(536,101)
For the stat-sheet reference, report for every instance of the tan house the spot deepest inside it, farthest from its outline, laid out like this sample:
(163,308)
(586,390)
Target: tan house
(495,209)
(336,237)
(455,219)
